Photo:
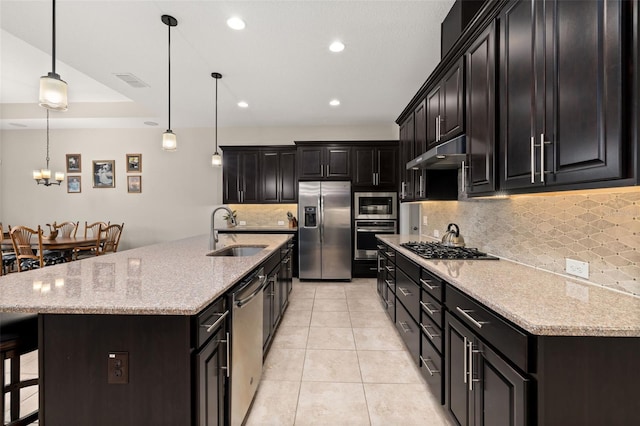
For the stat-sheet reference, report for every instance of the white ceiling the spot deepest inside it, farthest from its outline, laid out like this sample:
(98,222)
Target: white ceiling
(280,64)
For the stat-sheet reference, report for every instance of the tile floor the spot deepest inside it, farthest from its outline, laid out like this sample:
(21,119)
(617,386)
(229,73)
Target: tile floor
(336,360)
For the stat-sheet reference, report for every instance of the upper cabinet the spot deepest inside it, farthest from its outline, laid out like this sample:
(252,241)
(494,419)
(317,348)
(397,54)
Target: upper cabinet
(375,167)
(240,172)
(406,147)
(445,108)
(278,172)
(561,105)
(324,162)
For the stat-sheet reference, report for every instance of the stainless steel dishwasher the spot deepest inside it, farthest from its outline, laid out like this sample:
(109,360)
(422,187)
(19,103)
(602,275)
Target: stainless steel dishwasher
(246,348)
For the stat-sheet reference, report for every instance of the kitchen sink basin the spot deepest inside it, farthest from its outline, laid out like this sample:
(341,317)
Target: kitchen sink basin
(237,251)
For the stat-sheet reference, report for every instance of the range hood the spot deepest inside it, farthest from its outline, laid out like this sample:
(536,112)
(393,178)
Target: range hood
(448,155)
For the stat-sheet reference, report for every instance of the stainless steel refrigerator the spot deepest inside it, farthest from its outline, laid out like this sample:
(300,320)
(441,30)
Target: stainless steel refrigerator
(324,230)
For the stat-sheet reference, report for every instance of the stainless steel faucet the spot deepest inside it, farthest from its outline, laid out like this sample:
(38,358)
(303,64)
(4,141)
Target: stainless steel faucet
(213,237)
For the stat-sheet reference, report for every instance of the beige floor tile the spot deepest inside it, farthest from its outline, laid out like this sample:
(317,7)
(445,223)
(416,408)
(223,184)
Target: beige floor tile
(283,364)
(369,319)
(291,337)
(331,404)
(296,318)
(274,404)
(330,319)
(330,338)
(330,305)
(331,366)
(296,304)
(330,292)
(364,305)
(403,404)
(303,292)
(377,339)
(387,367)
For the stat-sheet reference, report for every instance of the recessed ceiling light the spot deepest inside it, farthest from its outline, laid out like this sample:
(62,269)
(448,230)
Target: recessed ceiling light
(150,123)
(243,104)
(236,23)
(336,46)
(334,102)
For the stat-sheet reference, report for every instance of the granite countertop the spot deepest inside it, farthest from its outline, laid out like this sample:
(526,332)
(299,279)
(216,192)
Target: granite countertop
(543,303)
(173,278)
(259,229)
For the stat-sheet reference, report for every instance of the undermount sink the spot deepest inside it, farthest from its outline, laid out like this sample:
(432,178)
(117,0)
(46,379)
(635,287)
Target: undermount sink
(237,251)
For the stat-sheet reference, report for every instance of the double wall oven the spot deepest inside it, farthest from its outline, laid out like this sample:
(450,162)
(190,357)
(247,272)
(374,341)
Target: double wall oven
(374,213)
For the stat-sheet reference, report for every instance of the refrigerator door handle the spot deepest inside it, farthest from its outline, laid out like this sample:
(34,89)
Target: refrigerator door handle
(321,218)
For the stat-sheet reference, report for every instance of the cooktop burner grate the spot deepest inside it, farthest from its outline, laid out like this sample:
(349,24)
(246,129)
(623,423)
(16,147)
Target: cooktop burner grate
(440,251)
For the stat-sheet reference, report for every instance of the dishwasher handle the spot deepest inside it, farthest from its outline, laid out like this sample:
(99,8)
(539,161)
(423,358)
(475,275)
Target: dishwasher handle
(240,303)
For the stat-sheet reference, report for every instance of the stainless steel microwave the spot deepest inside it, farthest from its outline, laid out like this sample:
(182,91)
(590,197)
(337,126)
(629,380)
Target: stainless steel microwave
(375,205)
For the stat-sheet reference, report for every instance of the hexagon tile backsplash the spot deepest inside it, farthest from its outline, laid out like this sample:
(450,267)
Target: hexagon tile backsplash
(602,228)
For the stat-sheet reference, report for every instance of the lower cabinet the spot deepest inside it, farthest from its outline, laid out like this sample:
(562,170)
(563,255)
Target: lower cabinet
(276,293)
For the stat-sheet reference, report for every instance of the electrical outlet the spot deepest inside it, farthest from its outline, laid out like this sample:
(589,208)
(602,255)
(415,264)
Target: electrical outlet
(243,222)
(436,233)
(424,220)
(577,268)
(118,368)
(280,222)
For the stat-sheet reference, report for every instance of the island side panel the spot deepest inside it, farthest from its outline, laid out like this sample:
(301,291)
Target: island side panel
(74,353)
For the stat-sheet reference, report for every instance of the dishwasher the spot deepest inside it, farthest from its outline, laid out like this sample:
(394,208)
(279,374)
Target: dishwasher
(246,349)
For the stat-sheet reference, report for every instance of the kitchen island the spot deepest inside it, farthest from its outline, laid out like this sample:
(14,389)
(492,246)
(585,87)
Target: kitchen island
(141,308)
(502,343)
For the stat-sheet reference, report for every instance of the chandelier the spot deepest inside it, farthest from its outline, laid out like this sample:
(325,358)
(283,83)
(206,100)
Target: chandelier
(43,176)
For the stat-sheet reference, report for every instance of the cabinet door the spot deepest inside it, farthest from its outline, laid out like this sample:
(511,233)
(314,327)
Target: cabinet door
(211,379)
(480,109)
(288,177)
(457,394)
(406,154)
(583,83)
(420,138)
(387,161)
(270,166)
(310,162)
(433,118)
(517,100)
(267,314)
(452,102)
(231,179)
(364,162)
(338,161)
(250,166)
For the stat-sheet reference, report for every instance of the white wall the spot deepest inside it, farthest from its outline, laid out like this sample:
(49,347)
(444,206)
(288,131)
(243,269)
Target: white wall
(179,189)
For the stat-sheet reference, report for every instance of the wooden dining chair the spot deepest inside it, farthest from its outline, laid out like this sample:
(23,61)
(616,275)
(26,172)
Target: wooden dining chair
(66,229)
(90,230)
(27,257)
(8,257)
(110,239)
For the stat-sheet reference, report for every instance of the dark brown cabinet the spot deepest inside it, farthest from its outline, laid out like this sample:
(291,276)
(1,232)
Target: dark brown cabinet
(324,162)
(375,167)
(445,107)
(278,176)
(240,176)
(561,69)
(406,147)
(478,174)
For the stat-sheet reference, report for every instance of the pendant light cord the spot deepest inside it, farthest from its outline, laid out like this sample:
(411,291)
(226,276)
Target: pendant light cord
(216,122)
(53,48)
(47,158)
(169,44)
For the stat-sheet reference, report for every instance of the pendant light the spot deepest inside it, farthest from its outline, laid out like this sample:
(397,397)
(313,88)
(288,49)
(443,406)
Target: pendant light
(53,90)
(169,141)
(216,158)
(43,176)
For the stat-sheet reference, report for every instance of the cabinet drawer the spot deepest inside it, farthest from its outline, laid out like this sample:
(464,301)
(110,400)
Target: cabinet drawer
(496,331)
(408,293)
(432,308)
(411,269)
(409,331)
(391,305)
(206,319)
(432,332)
(431,368)
(432,285)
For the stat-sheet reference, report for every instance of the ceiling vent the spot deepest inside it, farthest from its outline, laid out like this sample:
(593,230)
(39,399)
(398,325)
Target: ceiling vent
(131,80)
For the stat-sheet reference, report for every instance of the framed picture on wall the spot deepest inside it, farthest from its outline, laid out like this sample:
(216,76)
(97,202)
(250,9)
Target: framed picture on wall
(74,164)
(104,173)
(74,184)
(134,184)
(134,163)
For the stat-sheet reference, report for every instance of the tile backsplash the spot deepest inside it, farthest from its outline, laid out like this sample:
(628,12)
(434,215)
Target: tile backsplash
(602,228)
(264,214)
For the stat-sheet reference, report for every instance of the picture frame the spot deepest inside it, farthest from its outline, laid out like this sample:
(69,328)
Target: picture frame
(134,163)
(104,173)
(74,163)
(134,184)
(74,184)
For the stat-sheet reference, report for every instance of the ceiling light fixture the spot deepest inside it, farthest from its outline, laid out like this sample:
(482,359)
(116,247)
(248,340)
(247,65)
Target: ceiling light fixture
(236,23)
(43,176)
(216,158)
(243,104)
(169,141)
(334,102)
(336,46)
(53,90)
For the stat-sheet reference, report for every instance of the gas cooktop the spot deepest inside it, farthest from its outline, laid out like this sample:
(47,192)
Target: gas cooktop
(440,251)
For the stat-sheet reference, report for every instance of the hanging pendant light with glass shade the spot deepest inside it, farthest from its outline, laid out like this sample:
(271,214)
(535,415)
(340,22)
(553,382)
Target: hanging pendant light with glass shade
(43,176)
(169,141)
(216,158)
(53,90)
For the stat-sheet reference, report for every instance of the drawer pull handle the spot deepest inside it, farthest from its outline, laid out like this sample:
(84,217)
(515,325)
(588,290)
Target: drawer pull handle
(380,247)
(405,327)
(404,291)
(430,310)
(465,313)
(424,362)
(210,327)
(390,269)
(429,335)
(389,283)
(429,286)
(390,253)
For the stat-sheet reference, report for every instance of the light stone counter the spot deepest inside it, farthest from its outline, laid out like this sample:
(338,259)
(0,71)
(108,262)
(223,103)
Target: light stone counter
(173,278)
(540,302)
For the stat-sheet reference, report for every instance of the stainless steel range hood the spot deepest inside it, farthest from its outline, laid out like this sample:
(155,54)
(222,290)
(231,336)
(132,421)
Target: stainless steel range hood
(448,155)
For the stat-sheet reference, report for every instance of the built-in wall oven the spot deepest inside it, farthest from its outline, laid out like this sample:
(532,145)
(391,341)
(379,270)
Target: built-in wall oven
(375,205)
(366,247)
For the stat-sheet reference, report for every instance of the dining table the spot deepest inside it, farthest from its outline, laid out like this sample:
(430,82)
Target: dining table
(58,243)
